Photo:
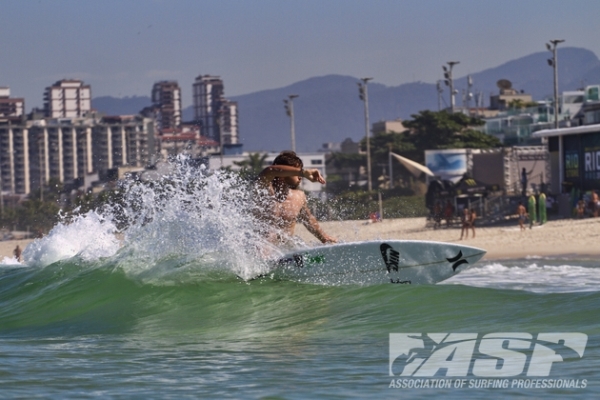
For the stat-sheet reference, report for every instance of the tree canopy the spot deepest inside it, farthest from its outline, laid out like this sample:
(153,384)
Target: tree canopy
(252,166)
(431,130)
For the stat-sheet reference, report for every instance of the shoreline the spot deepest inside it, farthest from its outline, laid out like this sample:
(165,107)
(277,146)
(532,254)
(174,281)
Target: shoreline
(561,238)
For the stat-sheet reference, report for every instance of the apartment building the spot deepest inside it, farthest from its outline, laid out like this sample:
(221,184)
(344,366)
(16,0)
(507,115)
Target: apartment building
(35,151)
(124,140)
(229,122)
(10,107)
(217,115)
(166,100)
(14,176)
(14,157)
(68,98)
(186,140)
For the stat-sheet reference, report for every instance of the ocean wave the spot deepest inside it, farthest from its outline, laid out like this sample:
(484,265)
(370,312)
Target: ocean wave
(541,276)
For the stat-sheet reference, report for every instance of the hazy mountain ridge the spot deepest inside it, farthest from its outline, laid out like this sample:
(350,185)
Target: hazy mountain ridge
(328,108)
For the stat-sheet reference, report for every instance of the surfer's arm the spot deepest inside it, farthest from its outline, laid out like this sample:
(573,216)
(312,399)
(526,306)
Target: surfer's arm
(281,171)
(311,224)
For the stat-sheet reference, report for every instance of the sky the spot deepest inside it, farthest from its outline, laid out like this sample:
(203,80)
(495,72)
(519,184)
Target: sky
(122,47)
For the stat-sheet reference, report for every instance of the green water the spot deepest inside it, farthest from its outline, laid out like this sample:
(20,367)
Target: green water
(88,329)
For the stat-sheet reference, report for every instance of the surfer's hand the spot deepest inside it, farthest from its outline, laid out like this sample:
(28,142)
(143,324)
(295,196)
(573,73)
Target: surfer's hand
(314,175)
(328,239)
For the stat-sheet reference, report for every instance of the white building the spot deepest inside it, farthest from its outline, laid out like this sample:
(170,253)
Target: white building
(185,140)
(68,98)
(229,127)
(10,107)
(67,149)
(124,140)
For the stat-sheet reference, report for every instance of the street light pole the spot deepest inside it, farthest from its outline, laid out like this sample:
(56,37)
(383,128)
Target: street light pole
(364,96)
(449,81)
(390,165)
(553,62)
(289,110)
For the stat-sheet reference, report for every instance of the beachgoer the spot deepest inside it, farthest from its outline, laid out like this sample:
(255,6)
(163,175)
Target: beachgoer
(437,215)
(17,253)
(286,203)
(595,203)
(466,223)
(581,208)
(374,217)
(523,182)
(448,213)
(472,221)
(522,214)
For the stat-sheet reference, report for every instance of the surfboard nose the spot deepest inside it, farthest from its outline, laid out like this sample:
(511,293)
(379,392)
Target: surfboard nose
(465,255)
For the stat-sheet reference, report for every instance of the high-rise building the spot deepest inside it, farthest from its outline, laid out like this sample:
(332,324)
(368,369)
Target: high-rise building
(68,98)
(14,153)
(217,115)
(10,107)
(208,97)
(229,122)
(166,99)
(123,140)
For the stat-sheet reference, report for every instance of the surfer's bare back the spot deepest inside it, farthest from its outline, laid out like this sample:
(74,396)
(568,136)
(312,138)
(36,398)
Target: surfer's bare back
(287,204)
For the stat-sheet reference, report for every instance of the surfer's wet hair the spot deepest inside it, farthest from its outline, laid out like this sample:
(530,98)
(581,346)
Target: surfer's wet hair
(288,157)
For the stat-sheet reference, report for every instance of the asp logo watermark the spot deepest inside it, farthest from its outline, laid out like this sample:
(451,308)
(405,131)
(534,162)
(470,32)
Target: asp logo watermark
(498,355)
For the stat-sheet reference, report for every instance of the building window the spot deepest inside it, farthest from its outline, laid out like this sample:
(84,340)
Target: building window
(316,162)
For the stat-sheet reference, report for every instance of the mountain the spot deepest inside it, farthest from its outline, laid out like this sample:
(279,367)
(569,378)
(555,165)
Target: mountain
(328,108)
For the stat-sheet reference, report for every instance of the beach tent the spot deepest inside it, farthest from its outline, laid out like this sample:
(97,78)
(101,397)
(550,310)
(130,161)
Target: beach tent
(437,190)
(472,187)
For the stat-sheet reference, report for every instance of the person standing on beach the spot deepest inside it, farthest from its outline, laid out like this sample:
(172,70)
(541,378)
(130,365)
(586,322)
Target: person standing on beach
(437,215)
(285,203)
(595,203)
(448,213)
(17,253)
(466,223)
(472,221)
(522,215)
(523,182)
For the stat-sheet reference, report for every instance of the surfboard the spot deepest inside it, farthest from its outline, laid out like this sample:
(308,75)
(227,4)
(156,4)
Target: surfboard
(400,262)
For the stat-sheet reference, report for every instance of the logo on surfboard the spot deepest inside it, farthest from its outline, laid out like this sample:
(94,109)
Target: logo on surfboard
(457,260)
(391,257)
(300,259)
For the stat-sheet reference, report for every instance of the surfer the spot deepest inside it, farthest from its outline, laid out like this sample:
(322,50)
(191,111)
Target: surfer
(285,203)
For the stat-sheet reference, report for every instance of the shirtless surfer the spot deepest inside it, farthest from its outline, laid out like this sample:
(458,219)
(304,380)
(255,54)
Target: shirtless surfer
(285,203)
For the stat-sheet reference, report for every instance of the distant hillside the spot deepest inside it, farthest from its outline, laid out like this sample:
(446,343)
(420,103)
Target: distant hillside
(329,110)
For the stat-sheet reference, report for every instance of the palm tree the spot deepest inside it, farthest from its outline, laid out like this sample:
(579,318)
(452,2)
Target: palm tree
(253,165)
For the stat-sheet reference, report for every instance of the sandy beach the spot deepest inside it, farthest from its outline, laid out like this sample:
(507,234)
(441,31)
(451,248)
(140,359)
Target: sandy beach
(565,237)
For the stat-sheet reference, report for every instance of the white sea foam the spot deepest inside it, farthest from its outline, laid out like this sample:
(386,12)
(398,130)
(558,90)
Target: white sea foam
(540,276)
(190,220)
(89,236)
